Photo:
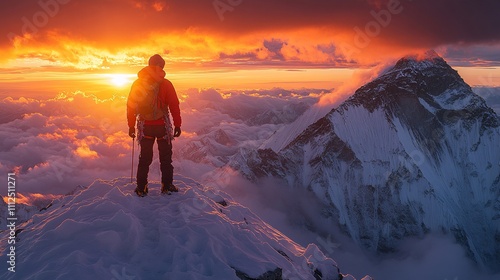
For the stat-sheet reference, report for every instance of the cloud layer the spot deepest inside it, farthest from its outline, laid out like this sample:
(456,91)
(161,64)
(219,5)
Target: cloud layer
(60,143)
(56,144)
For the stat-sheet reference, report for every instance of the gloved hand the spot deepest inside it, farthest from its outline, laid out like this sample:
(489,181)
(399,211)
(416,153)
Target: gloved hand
(131,132)
(177,131)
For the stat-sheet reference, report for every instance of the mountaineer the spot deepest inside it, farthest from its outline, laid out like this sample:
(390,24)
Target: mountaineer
(151,99)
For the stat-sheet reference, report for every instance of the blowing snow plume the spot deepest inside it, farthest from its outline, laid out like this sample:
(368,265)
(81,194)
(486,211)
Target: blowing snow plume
(358,78)
(285,135)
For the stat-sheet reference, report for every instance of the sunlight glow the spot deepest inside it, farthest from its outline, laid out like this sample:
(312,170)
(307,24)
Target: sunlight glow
(119,80)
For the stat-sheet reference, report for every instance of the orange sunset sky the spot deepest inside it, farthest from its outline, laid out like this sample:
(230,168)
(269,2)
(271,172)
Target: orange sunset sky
(97,46)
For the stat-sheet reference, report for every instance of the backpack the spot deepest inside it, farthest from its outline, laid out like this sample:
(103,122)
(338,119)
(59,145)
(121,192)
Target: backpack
(147,101)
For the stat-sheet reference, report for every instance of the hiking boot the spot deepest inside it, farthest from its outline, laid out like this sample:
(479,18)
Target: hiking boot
(168,189)
(142,192)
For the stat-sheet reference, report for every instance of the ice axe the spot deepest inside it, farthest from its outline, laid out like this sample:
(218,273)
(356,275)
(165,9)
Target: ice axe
(132,169)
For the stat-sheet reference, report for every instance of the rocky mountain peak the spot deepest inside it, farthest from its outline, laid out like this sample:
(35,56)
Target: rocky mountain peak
(425,80)
(421,61)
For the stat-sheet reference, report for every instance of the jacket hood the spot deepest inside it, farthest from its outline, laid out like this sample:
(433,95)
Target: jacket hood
(149,72)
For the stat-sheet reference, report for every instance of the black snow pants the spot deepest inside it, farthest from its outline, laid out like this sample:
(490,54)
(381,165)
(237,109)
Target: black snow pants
(152,132)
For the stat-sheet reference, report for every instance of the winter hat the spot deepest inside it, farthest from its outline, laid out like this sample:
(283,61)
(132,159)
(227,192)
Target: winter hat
(156,60)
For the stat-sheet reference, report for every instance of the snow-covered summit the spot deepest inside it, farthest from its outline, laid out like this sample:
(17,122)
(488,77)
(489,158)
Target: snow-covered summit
(427,77)
(421,60)
(105,232)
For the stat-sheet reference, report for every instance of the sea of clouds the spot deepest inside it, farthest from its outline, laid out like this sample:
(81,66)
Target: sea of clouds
(60,143)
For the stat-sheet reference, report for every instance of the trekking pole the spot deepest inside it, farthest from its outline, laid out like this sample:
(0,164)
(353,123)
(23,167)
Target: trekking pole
(132,169)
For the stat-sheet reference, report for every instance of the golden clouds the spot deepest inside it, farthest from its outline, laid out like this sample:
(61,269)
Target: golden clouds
(84,151)
(198,50)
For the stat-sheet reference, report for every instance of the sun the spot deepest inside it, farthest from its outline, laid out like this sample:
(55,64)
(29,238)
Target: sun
(119,80)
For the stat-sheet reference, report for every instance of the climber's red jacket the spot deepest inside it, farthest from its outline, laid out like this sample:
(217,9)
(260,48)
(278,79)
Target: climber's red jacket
(167,98)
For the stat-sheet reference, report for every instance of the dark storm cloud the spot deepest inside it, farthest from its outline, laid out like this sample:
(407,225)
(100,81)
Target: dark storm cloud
(421,22)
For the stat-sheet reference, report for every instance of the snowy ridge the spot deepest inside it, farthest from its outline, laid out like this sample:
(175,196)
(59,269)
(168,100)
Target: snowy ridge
(105,232)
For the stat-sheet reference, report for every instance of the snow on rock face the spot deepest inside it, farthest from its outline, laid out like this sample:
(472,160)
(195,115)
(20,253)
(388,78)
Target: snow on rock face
(106,232)
(289,132)
(413,151)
